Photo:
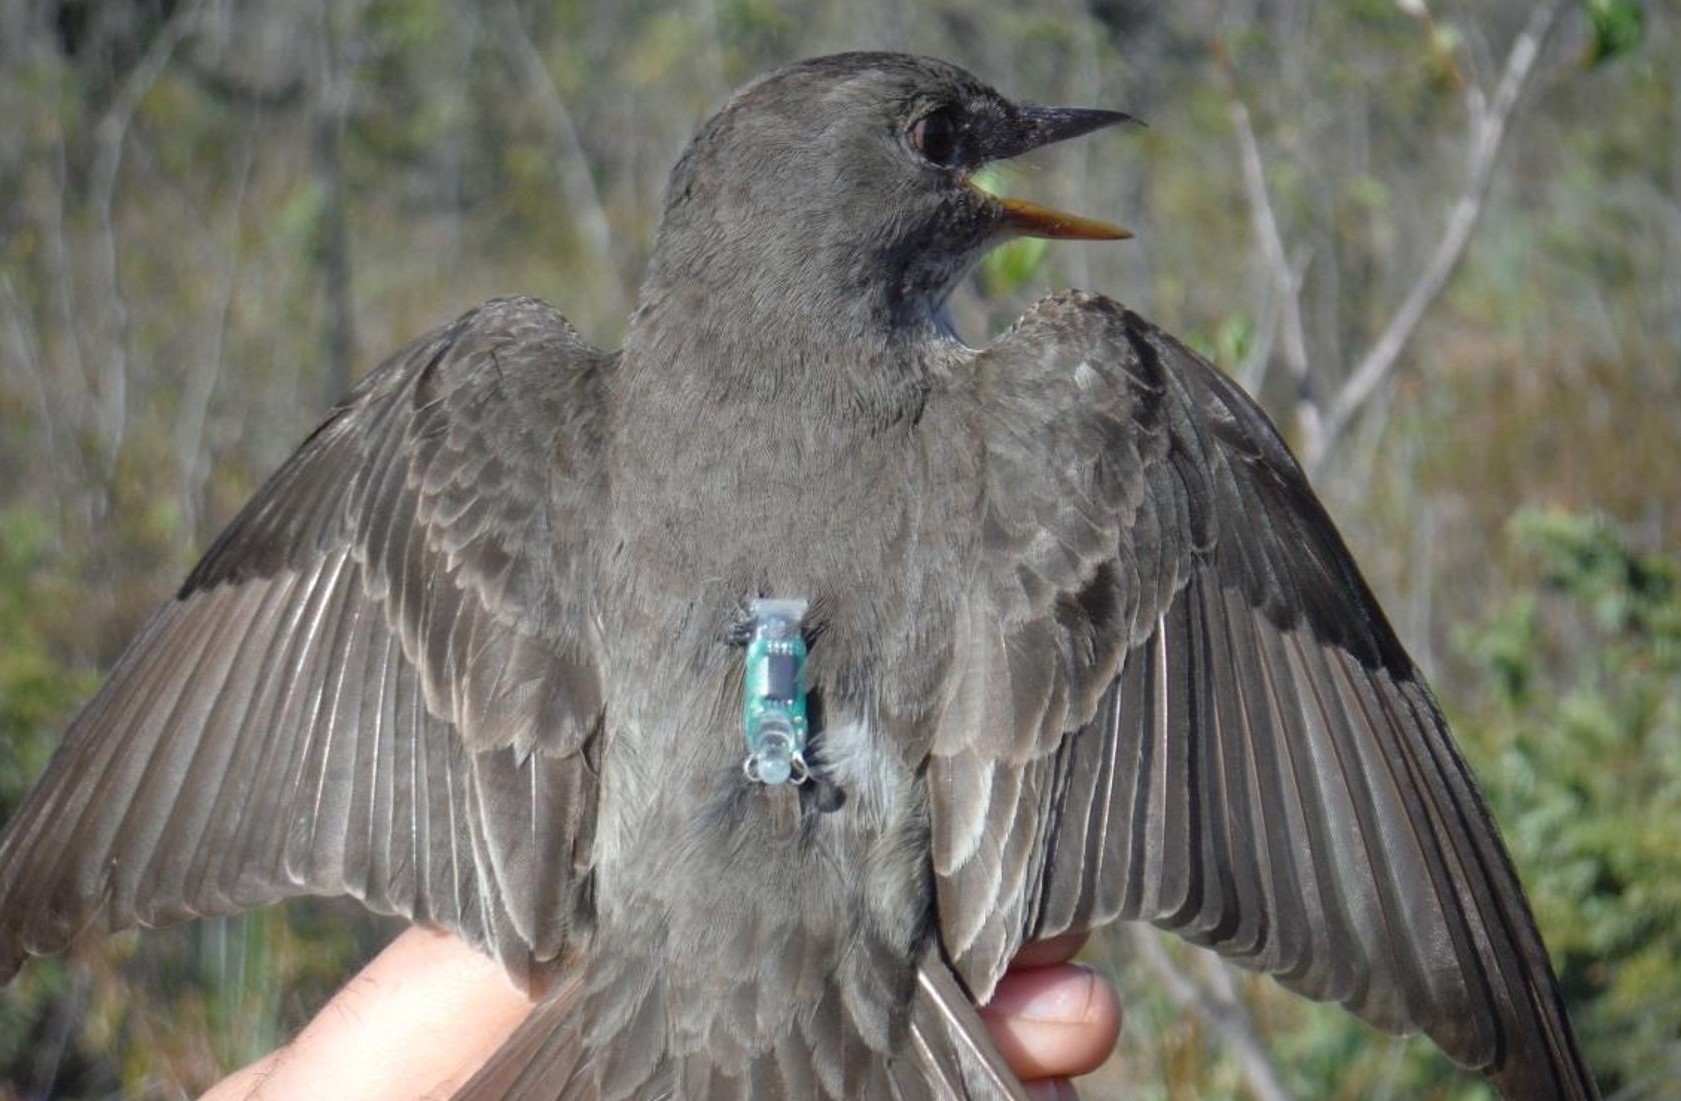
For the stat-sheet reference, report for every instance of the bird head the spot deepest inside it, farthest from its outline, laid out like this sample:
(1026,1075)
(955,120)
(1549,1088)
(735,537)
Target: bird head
(841,190)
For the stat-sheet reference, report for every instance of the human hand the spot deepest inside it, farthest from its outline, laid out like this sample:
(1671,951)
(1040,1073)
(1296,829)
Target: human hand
(429,1010)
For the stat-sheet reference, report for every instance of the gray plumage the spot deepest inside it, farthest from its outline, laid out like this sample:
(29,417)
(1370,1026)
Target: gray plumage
(1083,643)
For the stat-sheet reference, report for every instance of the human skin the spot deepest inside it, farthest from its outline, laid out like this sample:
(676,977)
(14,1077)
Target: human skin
(429,1010)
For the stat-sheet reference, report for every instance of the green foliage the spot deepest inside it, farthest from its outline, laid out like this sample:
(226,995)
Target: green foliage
(1230,343)
(1579,747)
(1617,27)
(1013,265)
(37,690)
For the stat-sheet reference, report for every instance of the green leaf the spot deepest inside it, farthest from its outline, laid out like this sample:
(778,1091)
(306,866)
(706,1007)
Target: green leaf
(1234,339)
(1617,27)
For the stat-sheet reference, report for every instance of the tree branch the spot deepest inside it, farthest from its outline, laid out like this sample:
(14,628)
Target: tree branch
(329,115)
(110,137)
(1488,130)
(583,200)
(1219,1008)
(1286,283)
(32,360)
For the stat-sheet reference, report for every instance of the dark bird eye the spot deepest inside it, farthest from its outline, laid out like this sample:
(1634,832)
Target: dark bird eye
(934,135)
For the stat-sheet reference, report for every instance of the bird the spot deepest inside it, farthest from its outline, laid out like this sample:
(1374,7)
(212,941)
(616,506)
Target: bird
(754,692)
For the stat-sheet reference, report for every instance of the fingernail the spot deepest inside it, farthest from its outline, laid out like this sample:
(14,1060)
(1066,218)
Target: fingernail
(1052,1089)
(1061,1002)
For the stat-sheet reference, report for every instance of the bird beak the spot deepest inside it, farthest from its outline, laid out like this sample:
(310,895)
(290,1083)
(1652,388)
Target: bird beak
(1031,128)
(1027,219)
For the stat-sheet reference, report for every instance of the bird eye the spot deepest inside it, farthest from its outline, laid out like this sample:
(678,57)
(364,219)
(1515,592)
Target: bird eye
(934,135)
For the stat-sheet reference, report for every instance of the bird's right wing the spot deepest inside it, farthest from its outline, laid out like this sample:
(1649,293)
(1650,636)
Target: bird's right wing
(378,682)
(1180,703)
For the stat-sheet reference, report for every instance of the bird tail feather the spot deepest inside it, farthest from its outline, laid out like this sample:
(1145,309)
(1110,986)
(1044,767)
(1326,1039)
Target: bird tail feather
(542,1056)
(947,1055)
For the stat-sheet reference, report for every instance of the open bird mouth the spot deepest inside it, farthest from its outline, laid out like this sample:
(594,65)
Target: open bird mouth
(1032,128)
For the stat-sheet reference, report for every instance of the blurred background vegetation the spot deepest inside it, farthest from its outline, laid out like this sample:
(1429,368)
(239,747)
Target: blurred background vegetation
(1441,239)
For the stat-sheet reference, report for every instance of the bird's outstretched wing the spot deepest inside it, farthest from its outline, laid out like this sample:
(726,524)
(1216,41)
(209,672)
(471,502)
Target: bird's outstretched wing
(1180,703)
(376,683)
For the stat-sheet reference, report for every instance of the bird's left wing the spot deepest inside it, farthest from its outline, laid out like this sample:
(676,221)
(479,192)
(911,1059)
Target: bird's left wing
(1177,701)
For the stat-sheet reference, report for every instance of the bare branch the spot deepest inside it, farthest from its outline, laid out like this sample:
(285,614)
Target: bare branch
(26,346)
(110,138)
(192,467)
(1488,130)
(583,200)
(711,34)
(330,114)
(1286,283)
(1219,1008)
